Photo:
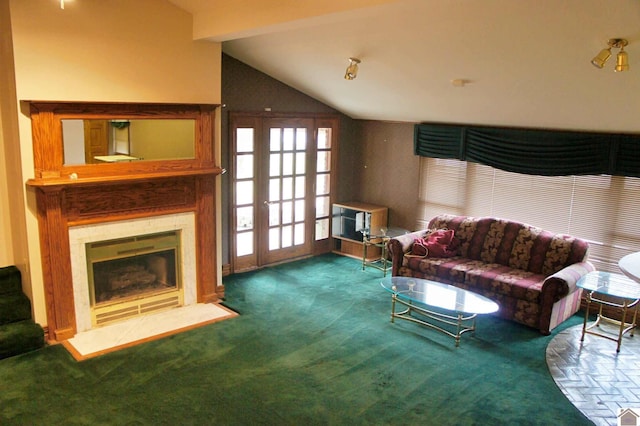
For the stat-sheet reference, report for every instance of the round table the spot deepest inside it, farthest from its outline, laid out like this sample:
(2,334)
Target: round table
(630,265)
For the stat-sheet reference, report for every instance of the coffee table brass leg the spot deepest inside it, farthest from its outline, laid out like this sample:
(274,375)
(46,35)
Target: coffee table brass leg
(458,330)
(393,307)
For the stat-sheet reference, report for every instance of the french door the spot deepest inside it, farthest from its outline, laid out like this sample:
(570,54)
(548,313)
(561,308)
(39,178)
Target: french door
(282,177)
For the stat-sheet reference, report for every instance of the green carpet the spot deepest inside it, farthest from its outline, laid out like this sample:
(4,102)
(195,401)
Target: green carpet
(313,345)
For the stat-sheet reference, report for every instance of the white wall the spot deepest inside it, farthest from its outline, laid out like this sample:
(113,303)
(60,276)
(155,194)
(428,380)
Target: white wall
(106,50)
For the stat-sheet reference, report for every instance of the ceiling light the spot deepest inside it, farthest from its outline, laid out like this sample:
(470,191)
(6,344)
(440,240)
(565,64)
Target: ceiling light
(352,69)
(622,62)
(601,58)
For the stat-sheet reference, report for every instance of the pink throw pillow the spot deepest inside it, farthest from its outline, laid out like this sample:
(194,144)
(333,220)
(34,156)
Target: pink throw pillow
(440,243)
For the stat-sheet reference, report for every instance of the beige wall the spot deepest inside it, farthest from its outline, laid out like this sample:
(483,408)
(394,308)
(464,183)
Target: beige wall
(107,50)
(388,172)
(13,246)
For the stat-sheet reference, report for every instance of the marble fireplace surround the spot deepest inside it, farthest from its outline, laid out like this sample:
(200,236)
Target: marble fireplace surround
(80,235)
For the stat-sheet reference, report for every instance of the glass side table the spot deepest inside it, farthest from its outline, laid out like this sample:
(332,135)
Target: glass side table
(627,291)
(380,241)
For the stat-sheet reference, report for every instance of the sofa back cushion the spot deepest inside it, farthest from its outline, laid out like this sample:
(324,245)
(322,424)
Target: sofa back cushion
(513,244)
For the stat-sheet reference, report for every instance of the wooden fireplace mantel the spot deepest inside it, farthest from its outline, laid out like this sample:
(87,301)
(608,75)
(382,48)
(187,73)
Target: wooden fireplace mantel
(95,193)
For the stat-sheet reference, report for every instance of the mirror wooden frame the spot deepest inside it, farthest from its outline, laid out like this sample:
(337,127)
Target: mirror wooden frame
(48,145)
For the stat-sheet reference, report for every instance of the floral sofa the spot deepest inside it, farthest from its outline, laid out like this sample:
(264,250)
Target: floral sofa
(531,273)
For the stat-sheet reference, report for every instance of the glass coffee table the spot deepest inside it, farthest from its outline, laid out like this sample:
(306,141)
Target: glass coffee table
(446,308)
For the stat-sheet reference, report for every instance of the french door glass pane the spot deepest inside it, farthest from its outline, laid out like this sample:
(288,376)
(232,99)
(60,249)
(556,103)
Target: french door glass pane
(274,139)
(287,213)
(274,165)
(244,166)
(300,189)
(244,140)
(322,184)
(301,139)
(244,218)
(299,214)
(244,243)
(300,163)
(274,214)
(322,229)
(286,236)
(299,234)
(324,138)
(244,192)
(322,206)
(324,161)
(274,190)
(287,139)
(287,164)
(274,238)
(287,188)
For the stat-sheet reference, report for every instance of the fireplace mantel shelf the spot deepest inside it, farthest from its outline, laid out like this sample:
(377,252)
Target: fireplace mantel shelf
(103,180)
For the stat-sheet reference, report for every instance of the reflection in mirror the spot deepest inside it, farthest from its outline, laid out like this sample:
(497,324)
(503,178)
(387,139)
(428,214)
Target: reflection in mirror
(108,141)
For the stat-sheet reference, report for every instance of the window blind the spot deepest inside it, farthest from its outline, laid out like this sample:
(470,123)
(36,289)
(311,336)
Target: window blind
(601,209)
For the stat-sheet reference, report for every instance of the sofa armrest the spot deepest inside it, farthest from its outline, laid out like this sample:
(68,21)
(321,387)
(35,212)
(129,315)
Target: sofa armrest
(398,246)
(557,286)
(565,280)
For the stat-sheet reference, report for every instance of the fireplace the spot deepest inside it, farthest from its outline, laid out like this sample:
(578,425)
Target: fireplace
(78,204)
(128,268)
(133,276)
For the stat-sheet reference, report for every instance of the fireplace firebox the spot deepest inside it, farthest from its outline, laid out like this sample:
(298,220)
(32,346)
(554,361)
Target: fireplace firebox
(133,276)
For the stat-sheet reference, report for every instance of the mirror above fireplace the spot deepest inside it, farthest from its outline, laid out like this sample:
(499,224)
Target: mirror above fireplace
(101,141)
(76,141)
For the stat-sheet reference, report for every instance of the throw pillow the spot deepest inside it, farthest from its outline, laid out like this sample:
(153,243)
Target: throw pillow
(419,248)
(437,243)
(442,243)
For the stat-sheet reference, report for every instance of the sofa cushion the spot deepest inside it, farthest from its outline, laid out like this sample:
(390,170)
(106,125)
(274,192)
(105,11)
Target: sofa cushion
(449,269)
(492,278)
(486,278)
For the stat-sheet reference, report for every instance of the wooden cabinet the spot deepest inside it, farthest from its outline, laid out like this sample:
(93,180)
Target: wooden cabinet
(348,222)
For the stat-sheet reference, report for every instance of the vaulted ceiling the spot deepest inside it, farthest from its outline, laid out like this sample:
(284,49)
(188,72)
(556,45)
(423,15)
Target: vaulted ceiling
(521,62)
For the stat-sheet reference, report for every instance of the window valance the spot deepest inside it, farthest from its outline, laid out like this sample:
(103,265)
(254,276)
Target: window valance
(532,151)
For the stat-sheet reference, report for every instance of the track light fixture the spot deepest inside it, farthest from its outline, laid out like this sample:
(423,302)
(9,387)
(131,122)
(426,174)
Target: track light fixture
(352,69)
(622,59)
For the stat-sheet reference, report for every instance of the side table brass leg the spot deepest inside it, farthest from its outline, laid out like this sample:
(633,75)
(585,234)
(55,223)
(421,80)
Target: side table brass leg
(635,316)
(623,323)
(586,317)
(364,253)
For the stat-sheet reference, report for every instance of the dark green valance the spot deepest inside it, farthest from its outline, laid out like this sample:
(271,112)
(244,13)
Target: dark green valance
(532,151)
